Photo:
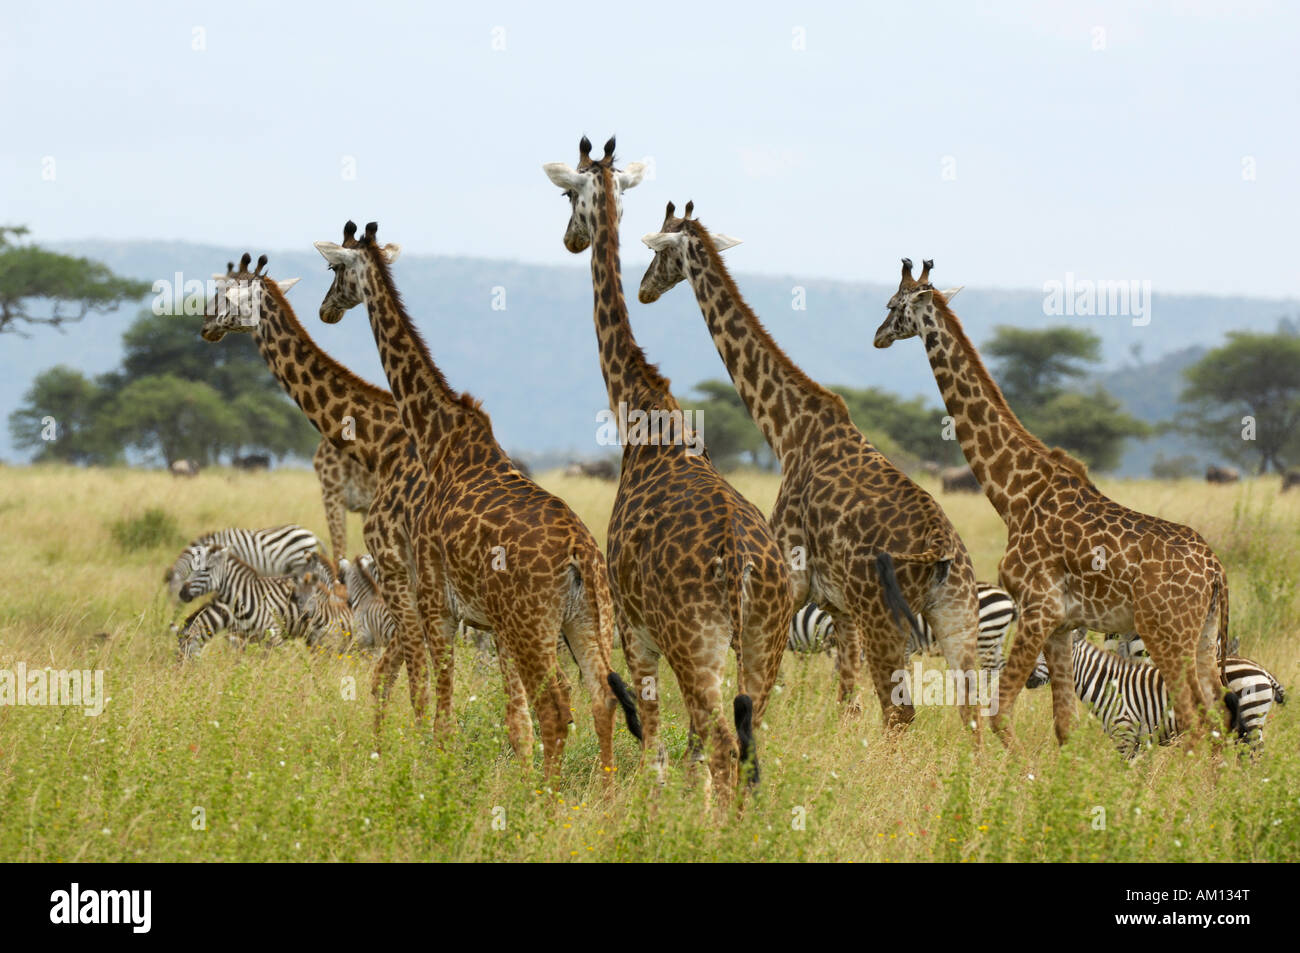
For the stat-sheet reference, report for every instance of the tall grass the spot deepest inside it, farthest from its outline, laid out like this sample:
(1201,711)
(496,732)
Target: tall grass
(271,755)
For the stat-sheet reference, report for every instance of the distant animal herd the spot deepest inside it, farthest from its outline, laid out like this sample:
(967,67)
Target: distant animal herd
(855,559)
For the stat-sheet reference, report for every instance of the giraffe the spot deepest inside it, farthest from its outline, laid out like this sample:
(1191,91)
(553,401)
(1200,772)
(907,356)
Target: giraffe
(866,543)
(1074,557)
(494,548)
(360,423)
(693,565)
(346,486)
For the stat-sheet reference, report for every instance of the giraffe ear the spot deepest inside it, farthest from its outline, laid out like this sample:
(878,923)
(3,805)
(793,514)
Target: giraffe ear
(950,293)
(332,253)
(562,175)
(657,241)
(288,283)
(391,252)
(631,176)
(722,242)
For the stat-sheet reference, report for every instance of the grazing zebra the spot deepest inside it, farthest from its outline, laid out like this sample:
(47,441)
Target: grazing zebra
(374,624)
(258,605)
(813,630)
(325,614)
(1130,699)
(200,626)
(276,551)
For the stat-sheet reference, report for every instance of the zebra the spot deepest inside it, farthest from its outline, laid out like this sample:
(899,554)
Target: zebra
(1130,700)
(375,626)
(813,629)
(481,639)
(200,626)
(325,614)
(257,605)
(276,551)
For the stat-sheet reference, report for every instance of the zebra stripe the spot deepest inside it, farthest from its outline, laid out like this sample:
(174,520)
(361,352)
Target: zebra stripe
(324,611)
(811,630)
(1130,699)
(200,626)
(276,551)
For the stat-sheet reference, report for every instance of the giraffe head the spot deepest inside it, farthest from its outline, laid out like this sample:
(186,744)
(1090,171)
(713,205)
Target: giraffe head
(350,263)
(912,308)
(237,305)
(585,186)
(671,244)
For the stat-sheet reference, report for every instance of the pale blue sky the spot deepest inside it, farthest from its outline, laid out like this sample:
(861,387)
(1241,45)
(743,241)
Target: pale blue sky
(1120,162)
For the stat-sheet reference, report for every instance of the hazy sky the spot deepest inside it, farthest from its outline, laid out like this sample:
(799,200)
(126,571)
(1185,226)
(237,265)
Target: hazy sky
(1012,142)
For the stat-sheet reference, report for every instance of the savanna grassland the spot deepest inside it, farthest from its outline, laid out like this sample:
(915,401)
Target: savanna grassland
(263,755)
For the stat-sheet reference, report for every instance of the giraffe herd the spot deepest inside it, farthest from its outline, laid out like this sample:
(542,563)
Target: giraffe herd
(692,571)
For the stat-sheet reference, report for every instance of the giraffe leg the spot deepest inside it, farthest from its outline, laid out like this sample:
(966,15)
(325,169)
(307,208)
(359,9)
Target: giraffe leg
(702,693)
(643,668)
(953,616)
(395,590)
(519,724)
(1178,670)
(1060,669)
(1038,620)
(439,635)
(848,657)
(886,657)
(584,642)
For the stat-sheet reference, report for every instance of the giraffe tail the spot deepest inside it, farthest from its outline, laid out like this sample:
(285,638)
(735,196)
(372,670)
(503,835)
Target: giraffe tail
(1221,592)
(743,709)
(898,606)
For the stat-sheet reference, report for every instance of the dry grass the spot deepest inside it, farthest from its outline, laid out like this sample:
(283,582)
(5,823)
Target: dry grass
(279,759)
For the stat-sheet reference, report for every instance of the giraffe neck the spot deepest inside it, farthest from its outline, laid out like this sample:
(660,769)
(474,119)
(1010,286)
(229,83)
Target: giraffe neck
(993,440)
(328,393)
(429,409)
(789,407)
(629,378)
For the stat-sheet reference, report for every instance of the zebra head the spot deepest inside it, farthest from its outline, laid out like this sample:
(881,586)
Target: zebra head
(912,309)
(312,586)
(678,240)
(192,574)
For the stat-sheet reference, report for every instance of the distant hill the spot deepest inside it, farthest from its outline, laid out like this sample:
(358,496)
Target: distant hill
(534,364)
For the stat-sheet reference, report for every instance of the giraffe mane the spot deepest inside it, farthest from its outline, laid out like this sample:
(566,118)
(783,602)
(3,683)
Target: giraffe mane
(649,371)
(465,400)
(697,228)
(1054,455)
(349,379)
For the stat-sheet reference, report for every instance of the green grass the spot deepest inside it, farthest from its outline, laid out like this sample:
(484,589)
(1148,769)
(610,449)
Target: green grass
(276,751)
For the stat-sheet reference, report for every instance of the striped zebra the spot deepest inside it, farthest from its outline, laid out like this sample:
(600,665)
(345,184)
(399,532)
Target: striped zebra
(1130,700)
(200,626)
(258,606)
(325,616)
(813,630)
(276,551)
(375,626)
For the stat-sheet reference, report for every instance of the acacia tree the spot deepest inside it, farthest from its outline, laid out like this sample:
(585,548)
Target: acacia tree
(60,419)
(1033,369)
(39,287)
(1244,399)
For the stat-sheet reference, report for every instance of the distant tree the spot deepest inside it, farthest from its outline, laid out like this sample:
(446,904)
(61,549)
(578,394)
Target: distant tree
(1092,426)
(62,404)
(171,418)
(70,287)
(729,432)
(1032,366)
(913,426)
(1243,399)
(1033,369)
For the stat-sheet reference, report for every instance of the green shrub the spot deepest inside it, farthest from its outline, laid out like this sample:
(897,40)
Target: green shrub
(153,528)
